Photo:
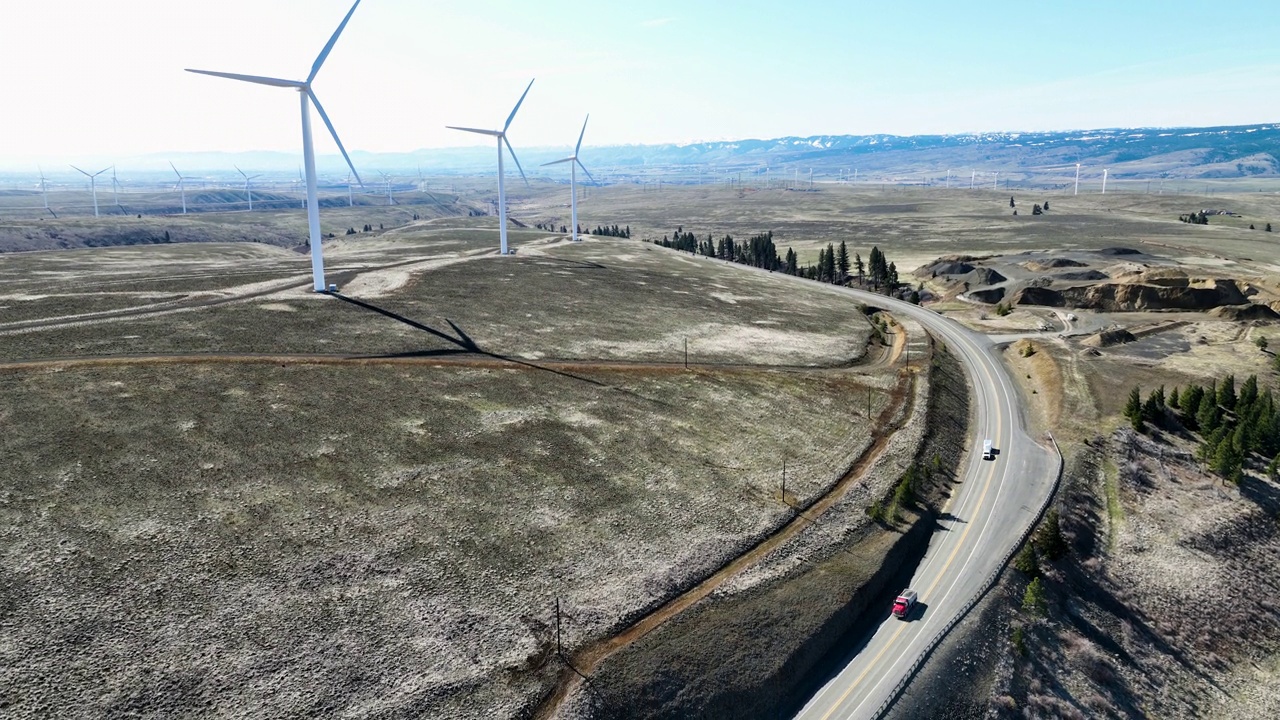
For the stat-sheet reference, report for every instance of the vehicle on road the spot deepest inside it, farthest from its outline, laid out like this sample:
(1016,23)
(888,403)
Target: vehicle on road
(988,452)
(904,604)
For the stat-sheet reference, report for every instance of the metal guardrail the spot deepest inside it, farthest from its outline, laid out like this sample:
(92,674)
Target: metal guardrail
(977,596)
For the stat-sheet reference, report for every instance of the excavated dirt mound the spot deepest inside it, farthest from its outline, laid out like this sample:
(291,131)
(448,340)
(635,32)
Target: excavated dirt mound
(1124,297)
(1052,264)
(1082,276)
(987,276)
(1119,251)
(991,296)
(1251,311)
(1039,296)
(1107,338)
(949,267)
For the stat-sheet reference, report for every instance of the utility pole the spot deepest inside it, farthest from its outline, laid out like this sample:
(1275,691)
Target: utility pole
(559,645)
(784,480)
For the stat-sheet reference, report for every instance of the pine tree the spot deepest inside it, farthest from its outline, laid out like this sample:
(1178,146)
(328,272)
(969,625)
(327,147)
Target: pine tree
(1174,400)
(1227,393)
(861,268)
(1133,409)
(1034,600)
(1049,540)
(842,263)
(1026,561)
(829,270)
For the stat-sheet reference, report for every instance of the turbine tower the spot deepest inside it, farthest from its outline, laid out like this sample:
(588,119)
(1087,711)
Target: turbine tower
(93,185)
(308,98)
(182,186)
(574,164)
(1104,182)
(247,190)
(44,187)
(115,187)
(387,179)
(1077,178)
(501,136)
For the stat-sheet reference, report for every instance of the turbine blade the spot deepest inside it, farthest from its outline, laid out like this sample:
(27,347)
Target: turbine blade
(560,162)
(324,54)
(175,170)
(512,116)
(585,170)
(237,167)
(325,116)
(577,149)
(255,79)
(513,157)
(478,131)
(81,171)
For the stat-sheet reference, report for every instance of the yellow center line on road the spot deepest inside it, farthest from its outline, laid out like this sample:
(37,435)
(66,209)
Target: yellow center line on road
(937,578)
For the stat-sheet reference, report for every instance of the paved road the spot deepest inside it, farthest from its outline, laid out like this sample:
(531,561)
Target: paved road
(993,506)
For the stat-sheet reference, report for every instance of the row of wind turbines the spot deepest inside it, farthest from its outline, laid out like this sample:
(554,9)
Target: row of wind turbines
(307,98)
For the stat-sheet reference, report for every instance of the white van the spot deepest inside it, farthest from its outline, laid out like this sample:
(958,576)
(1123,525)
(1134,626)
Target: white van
(988,452)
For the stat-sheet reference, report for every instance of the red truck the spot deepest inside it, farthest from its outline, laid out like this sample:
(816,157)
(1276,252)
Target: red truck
(904,604)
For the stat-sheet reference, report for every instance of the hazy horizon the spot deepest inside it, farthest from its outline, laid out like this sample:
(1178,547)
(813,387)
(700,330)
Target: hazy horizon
(665,72)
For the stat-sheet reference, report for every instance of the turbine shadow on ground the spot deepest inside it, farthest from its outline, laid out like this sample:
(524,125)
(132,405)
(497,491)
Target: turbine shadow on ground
(468,345)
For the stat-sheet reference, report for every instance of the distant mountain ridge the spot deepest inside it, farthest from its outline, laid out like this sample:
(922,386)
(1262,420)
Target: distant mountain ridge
(1192,153)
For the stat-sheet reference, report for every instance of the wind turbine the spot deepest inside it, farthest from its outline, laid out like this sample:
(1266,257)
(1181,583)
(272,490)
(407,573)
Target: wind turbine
(182,186)
(247,191)
(1077,178)
(351,202)
(386,180)
(574,164)
(115,187)
(1104,181)
(501,136)
(308,98)
(93,185)
(44,187)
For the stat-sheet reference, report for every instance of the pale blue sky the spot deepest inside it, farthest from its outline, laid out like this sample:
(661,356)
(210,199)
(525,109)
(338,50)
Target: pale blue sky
(85,77)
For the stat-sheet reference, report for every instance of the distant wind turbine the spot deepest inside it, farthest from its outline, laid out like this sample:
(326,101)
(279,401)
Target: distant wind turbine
(387,179)
(93,185)
(44,187)
(182,186)
(501,136)
(1077,178)
(1104,181)
(574,164)
(115,187)
(308,98)
(247,190)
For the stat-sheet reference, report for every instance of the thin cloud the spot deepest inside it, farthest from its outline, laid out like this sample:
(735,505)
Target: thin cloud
(657,22)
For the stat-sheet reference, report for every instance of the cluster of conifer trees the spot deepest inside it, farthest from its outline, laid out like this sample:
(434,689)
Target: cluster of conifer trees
(833,266)
(1235,427)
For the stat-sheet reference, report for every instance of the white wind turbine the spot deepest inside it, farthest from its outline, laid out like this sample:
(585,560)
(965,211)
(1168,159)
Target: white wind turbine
(115,187)
(247,190)
(574,164)
(93,185)
(44,187)
(308,98)
(182,186)
(386,179)
(501,136)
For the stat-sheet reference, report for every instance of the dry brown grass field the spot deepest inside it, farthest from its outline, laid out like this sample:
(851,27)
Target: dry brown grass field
(249,497)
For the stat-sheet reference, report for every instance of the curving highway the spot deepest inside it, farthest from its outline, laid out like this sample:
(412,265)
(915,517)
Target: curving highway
(987,516)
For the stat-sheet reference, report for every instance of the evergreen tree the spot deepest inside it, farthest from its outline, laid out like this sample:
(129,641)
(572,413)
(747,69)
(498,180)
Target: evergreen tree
(1049,540)
(1209,417)
(860,268)
(1026,561)
(842,262)
(1034,600)
(1133,409)
(829,270)
(1227,393)
(1174,401)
